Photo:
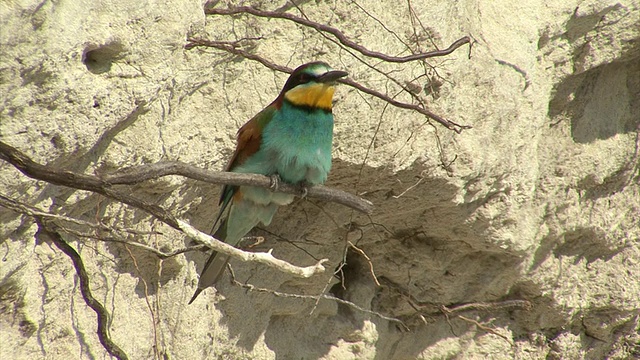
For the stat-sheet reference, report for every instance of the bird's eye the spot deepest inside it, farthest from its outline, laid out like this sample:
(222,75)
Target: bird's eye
(304,78)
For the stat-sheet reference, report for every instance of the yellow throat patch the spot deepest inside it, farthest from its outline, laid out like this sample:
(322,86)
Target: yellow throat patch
(312,95)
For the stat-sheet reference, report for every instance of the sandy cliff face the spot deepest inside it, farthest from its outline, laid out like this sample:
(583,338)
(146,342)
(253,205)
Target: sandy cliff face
(539,201)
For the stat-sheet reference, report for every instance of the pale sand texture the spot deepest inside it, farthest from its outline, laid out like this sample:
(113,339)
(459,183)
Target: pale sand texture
(541,200)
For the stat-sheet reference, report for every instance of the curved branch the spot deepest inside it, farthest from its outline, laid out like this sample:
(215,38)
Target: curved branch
(49,230)
(344,40)
(132,176)
(264,258)
(281,294)
(53,231)
(231,47)
(447,123)
(80,181)
(153,171)
(103,185)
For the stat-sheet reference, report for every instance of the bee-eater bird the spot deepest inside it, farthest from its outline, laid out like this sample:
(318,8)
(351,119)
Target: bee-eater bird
(290,139)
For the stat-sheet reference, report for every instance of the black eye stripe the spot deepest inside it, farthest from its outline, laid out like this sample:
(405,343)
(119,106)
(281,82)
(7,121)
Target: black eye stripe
(298,79)
(304,78)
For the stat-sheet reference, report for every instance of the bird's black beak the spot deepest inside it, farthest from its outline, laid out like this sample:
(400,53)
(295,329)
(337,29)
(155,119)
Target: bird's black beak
(331,76)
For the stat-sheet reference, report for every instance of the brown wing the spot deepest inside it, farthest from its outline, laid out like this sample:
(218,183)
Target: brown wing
(248,143)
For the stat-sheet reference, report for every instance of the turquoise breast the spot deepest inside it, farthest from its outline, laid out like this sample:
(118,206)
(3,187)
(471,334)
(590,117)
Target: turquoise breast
(296,144)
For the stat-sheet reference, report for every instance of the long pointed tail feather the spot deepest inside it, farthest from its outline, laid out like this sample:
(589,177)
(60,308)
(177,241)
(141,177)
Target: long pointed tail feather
(213,269)
(243,215)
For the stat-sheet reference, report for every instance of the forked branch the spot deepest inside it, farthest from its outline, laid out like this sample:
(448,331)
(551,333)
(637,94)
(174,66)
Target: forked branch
(234,47)
(344,40)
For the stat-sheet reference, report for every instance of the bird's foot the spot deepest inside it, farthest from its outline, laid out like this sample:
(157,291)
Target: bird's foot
(275,182)
(303,188)
(257,240)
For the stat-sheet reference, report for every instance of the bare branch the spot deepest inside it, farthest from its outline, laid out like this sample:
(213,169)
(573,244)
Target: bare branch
(154,319)
(37,213)
(344,40)
(317,298)
(232,48)
(484,306)
(264,258)
(373,274)
(49,230)
(142,173)
(160,254)
(485,328)
(447,123)
(95,184)
(101,186)
(79,181)
(33,211)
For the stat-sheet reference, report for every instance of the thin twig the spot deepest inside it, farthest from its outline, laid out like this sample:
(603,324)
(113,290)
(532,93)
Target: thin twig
(322,296)
(228,47)
(447,123)
(428,308)
(261,257)
(98,185)
(344,40)
(484,306)
(432,308)
(409,188)
(146,299)
(361,252)
(33,211)
(485,328)
(49,230)
(162,255)
(141,173)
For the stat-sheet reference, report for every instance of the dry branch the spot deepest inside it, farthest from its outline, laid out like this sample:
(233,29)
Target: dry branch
(61,221)
(142,173)
(344,40)
(264,258)
(232,47)
(33,211)
(317,298)
(79,181)
(101,186)
(49,230)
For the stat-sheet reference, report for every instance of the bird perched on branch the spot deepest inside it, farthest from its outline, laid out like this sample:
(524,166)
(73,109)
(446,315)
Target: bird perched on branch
(289,140)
